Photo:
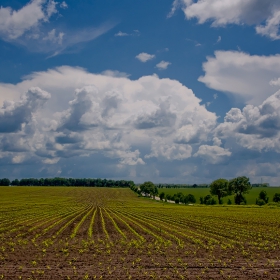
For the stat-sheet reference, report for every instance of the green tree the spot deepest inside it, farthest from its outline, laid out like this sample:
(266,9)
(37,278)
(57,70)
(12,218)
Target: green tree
(189,198)
(262,199)
(263,196)
(15,182)
(239,186)
(162,196)
(220,188)
(209,200)
(276,197)
(4,182)
(149,188)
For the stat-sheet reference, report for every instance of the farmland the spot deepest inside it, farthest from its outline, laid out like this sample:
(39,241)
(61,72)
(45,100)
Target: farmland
(198,192)
(103,233)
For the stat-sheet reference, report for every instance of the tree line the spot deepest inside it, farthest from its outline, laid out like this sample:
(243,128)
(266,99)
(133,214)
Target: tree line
(150,189)
(219,188)
(238,187)
(181,186)
(69,182)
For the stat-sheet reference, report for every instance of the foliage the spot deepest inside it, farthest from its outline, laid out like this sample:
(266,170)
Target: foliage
(149,188)
(276,197)
(263,196)
(4,182)
(181,186)
(162,196)
(85,182)
(189,199)
(209,200)
(202,192)
(239,186)
(220,188)
(260,202)
(240,199)
(181,198)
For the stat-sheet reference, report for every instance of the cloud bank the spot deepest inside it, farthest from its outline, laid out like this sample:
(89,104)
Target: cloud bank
(70,121)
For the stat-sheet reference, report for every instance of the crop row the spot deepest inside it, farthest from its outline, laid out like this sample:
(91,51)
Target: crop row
(90,233)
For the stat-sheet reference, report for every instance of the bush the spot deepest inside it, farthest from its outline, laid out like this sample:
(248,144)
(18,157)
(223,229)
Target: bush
(260,202)
(209,200)
(189,199)
(276,197)
(277,204)
(263,196)
(162,196)
(240,199)
(229,202)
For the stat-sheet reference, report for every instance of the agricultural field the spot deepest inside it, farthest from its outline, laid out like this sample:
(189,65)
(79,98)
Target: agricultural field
(198,192)
(102,233)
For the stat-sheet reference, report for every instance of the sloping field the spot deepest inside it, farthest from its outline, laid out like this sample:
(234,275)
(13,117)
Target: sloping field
(101,233)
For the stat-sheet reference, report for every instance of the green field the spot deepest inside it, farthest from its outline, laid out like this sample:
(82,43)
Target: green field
(111,233)
(198,192)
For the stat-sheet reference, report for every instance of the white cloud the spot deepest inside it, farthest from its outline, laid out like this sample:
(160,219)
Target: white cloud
(219,39)
(115,73)
(15,114)
(87,114)
(54,38)
(14,24)
(63,5)
(213,154)
(117,127)
(251,78)
(221,13)
(175,6)
(28,26)
(124,34)
(217,141)
(144,57)
(121,34)
(271,28)
(170,151)
(254,127)
(163,65)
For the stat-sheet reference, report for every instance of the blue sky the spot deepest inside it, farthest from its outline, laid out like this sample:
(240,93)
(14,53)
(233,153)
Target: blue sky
(170,91)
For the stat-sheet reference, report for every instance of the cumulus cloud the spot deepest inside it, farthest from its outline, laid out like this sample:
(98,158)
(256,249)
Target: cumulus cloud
(262,14)
(212,154)
(254,127)
(13,115)
(169,151)
(163,65)
(144,57)
(251,78)
(88,114)
(109,125)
